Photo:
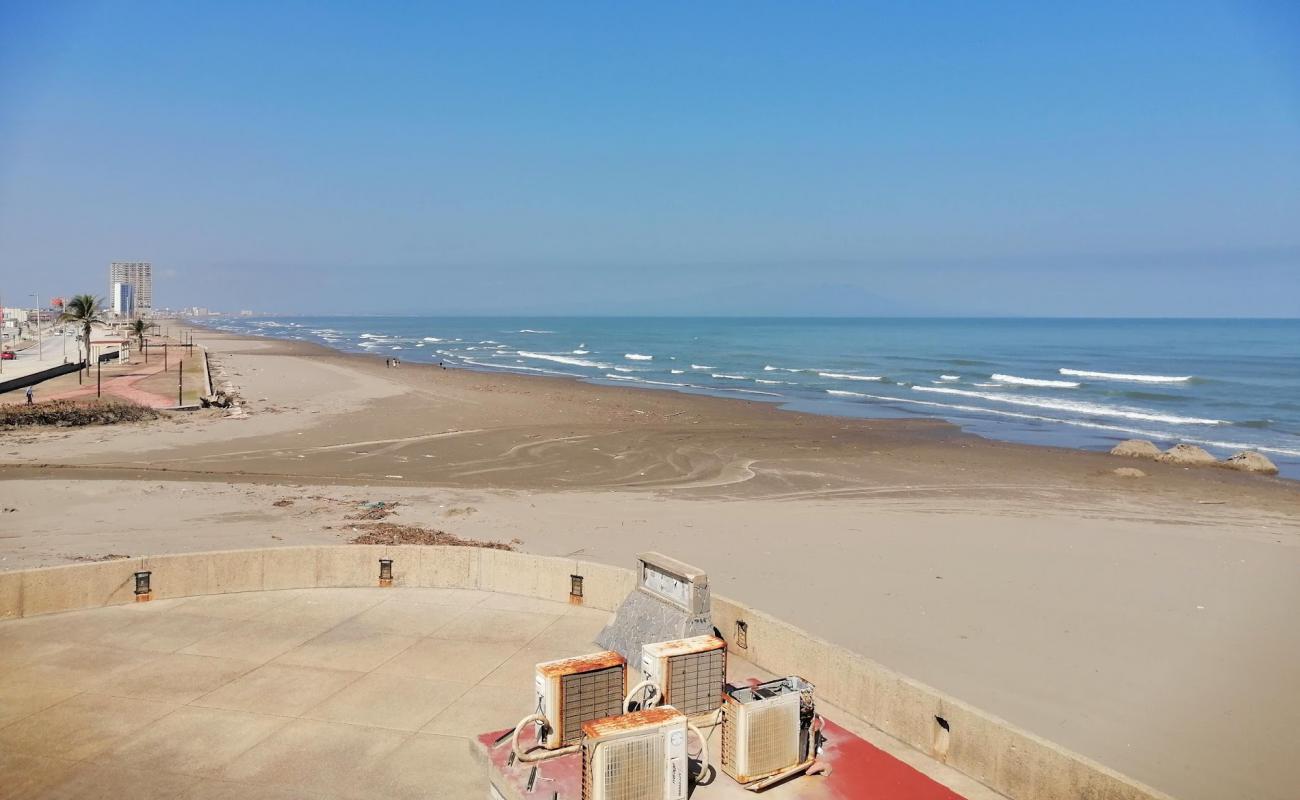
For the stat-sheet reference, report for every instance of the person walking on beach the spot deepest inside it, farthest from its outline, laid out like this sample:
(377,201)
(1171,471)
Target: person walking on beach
(29,395)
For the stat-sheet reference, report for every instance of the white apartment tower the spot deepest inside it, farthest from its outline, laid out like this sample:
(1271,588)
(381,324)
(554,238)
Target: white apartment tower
(139,276)
(123,300)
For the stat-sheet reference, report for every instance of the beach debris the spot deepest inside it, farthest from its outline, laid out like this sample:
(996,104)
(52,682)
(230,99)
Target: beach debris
(1187,455)
(1250,461)
(97,559)
(460,512)
(373,510)
(222,398)
(74,413)
(1136,448)
(1128,472)
(282,502)
(393,534)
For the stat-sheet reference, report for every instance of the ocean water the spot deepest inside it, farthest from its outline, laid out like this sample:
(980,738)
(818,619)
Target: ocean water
(1225,385)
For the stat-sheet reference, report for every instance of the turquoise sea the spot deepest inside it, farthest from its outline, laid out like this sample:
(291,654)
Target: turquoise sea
(1225,385)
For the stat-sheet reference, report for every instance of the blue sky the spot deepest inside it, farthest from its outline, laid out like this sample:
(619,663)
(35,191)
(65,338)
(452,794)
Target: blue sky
(801,158)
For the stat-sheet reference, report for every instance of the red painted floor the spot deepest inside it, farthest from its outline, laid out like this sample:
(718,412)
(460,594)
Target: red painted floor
(859,771)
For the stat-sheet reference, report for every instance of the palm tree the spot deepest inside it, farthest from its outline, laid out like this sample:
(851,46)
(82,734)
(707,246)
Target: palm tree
(138,330)
(85,309)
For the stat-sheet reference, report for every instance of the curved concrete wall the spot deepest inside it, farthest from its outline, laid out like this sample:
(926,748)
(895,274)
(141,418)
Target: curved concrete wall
(1005,758)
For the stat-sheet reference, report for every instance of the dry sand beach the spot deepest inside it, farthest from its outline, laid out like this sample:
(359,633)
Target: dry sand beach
(1144,622)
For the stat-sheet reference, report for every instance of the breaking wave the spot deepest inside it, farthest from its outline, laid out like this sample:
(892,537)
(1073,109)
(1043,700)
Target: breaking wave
(846,377)
(573,362)
(645,380)
(637,357)
(1124,376)
(1016,381)
(1075,407)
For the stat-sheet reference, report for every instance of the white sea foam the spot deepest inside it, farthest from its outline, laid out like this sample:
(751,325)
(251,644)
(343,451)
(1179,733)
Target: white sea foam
(741,391)
(645,380)
(637,357)
(729,377)
(530,330)
(623,369)
(575,362)
(373,336)
(1123,376)
(844,376)
(1016,381)
(770,368)
(395,348)
(432,339)
(1074,407)
(775,383)
(677,371)
(987,385)
(521,366)
(702,366)
(580,352)
(949,377)
(1078,423)
(842,393)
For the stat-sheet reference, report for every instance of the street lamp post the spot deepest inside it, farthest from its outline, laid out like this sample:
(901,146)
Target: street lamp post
(40,343)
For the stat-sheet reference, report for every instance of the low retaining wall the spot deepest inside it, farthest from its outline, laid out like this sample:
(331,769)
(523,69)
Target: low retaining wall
(37,377)
(1003,757)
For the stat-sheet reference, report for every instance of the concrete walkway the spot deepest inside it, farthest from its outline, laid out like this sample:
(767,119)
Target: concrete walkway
(319,693)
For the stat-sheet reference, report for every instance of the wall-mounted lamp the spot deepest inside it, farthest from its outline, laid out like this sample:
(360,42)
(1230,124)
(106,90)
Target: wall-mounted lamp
(143,593)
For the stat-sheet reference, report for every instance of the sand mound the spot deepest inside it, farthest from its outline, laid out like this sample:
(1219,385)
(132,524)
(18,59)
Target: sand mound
(1250,461)
(1136,448)
(1188,455)
(1128,472)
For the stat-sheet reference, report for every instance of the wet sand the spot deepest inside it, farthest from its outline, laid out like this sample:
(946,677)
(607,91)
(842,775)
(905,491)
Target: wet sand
(1143,622)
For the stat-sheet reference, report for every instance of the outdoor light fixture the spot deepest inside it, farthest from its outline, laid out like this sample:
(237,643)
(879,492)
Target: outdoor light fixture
(575,589)
(742,634)
(142,591)
(385,572)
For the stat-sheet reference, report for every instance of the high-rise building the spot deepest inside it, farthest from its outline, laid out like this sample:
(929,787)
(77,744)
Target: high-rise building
(139,276)
(123,299)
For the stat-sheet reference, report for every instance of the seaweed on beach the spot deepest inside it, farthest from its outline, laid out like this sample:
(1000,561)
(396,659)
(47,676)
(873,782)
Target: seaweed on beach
(72,413)
(392,534)
(374,511)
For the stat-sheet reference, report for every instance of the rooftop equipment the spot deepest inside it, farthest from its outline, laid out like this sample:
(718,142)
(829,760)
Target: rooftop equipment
(639,756)
(690,674)
(570,692)
(671,601)
(769,731)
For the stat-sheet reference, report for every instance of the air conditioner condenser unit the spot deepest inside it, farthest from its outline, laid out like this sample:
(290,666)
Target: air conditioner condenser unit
(637,756)
(768,730)
(574,691)
(690,673)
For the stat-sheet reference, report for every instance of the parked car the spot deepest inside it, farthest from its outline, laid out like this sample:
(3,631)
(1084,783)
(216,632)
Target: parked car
(8,355)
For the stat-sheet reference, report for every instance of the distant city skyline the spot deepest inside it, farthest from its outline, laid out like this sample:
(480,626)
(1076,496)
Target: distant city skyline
(746,158)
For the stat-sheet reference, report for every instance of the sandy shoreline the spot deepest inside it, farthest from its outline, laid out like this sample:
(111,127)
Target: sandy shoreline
(1143,622)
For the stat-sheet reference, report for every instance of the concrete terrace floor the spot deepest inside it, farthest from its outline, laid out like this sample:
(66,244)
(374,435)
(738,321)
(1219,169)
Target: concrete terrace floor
(315,693)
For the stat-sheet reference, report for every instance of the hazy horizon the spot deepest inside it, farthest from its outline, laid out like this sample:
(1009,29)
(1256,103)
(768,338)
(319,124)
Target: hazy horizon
(737,160)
